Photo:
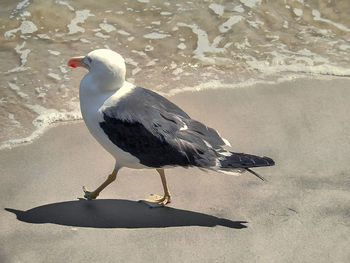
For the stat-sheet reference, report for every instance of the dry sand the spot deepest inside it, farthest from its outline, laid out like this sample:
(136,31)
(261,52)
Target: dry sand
(300,215)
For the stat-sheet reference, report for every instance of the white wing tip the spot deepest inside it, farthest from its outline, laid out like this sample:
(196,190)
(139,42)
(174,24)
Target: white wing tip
(227,143)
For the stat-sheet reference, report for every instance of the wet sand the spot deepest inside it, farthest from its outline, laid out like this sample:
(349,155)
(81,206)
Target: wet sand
(300,215)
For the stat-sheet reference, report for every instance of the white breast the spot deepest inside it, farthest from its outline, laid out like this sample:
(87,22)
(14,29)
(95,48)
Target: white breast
(92,104)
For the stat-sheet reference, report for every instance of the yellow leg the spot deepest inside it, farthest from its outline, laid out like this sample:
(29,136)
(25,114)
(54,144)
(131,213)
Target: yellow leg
(92,195)
(161,200)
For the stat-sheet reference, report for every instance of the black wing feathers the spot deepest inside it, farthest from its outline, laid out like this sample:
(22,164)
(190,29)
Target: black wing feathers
(159,133)
(243,160)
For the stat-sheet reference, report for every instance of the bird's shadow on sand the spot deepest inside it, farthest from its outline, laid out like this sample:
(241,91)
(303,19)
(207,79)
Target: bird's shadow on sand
(116,213)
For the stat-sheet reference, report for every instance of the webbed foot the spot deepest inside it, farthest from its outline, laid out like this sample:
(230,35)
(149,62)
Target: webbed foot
(159,200)
(89,195)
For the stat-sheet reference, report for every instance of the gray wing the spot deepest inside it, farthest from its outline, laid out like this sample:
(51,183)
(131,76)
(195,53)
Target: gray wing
(158,132)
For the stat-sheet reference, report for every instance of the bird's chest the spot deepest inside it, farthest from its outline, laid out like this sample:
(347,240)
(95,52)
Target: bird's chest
(90,112)
(92,116)
(90,102)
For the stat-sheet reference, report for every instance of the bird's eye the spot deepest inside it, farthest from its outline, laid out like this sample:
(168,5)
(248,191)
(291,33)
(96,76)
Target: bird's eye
(89,59)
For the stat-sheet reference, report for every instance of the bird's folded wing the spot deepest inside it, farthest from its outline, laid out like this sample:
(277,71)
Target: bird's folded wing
(158,132)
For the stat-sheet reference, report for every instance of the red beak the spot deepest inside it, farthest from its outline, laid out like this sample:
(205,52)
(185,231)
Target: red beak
(77,62)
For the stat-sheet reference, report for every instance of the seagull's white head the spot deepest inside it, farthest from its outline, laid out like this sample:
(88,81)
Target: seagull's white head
(106,68)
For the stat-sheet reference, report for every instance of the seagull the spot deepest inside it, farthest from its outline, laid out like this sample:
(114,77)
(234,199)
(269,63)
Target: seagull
(142,129)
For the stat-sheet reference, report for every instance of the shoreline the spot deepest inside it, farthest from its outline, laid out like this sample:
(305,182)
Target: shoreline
(75,115)
(300,214)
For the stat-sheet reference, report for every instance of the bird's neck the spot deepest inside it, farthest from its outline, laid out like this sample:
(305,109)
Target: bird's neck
(102,82)
(93,94)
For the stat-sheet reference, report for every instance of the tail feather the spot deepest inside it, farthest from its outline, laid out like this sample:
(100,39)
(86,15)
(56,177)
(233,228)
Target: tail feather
(256,174)
(242,160)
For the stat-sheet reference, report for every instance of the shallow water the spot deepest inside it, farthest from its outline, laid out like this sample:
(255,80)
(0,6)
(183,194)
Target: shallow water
(169,46)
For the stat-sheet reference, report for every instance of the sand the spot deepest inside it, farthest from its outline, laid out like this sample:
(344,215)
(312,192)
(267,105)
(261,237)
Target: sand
(300,215)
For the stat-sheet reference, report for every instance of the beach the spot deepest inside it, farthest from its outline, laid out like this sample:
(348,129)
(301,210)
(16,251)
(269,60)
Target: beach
(300,214)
